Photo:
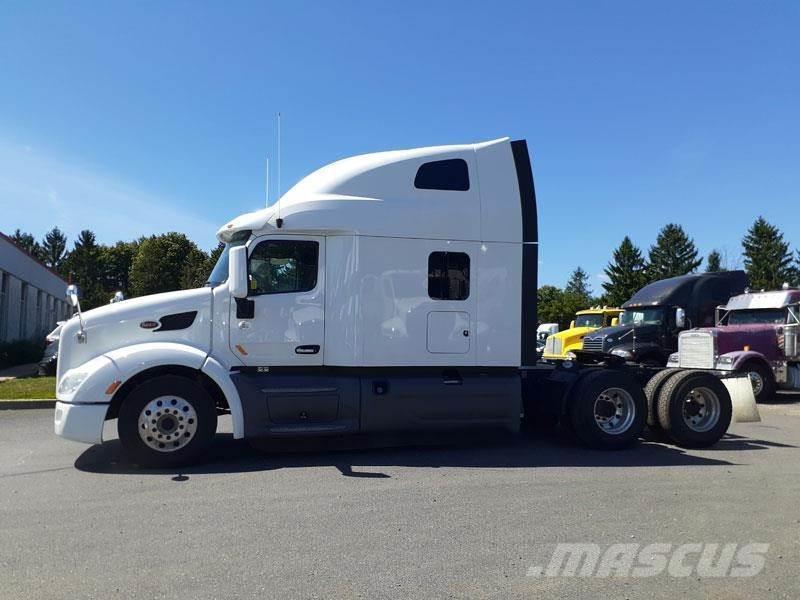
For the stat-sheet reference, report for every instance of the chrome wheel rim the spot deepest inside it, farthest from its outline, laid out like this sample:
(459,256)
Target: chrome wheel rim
(614,410)
(167,423)
(756,381)
(701,409)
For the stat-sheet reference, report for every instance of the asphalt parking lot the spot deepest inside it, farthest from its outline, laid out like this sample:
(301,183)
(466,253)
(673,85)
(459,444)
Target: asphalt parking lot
(450,517)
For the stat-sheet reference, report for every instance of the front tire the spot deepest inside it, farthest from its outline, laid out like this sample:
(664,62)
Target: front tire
(694,408)
(762,380)
(608,410)
(167,421)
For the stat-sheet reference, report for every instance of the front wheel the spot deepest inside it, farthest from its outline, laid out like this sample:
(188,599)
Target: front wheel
(167,421)
(608,409)
(761,379)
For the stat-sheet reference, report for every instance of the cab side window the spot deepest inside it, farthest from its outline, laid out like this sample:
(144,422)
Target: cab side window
(448,276)
(283,267)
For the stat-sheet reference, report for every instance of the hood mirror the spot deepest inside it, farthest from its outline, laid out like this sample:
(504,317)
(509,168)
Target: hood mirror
(572,324)
(73,296)
(237,272)
(680,317)
(614,321)
(118,297)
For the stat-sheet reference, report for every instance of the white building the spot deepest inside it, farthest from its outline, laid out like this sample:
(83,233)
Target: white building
(31,295)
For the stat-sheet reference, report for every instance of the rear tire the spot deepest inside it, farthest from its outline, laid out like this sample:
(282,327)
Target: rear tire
(608,409)
(694,408)
(762,379)
(651,391)
(167,421)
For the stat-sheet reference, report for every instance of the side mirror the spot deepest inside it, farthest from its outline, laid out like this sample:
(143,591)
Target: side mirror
(72,294)
(680,318)
(614,321)
(572,324)
(237,272)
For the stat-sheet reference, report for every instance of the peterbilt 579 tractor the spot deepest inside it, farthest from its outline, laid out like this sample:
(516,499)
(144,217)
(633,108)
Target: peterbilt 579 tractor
(756,333)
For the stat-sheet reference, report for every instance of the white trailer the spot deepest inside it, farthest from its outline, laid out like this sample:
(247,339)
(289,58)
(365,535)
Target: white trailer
(390,291)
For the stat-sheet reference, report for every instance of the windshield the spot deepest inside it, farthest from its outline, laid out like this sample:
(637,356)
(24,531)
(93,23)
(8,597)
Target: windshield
(772,316)
(589,321)
(219,274)
(642,316)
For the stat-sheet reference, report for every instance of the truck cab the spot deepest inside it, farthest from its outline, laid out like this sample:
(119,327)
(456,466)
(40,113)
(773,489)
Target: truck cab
(655,315)
(544,331)
(755,334)
(562,345)
(388,291)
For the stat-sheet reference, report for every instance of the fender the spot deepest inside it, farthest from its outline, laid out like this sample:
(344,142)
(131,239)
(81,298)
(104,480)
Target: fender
(642,349)
(739,357)
(221,377)
(131,360)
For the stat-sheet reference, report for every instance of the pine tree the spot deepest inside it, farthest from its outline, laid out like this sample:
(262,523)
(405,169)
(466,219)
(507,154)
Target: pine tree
(28,243)
(54,247)
(83,267)
(767,258)
(673,254)
(578,284)
(714,262)
(626,274)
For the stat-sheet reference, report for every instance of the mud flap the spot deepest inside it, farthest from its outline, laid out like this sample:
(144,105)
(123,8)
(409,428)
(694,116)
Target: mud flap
(742,399)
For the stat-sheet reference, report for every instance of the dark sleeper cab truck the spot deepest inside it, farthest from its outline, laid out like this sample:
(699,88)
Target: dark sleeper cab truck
(384,292)
(654,317)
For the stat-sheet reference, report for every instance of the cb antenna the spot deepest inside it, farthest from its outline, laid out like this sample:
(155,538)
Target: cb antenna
(279,221)
(266,184)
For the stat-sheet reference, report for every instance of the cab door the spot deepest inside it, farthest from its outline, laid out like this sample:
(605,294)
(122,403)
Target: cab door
(281,322)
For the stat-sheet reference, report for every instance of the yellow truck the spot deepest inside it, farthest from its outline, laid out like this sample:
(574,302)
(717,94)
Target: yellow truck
(559,345)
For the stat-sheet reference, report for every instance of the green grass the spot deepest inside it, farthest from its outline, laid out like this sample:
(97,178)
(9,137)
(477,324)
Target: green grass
(27,388)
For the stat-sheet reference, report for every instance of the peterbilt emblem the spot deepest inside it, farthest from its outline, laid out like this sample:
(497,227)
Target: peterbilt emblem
(149,324)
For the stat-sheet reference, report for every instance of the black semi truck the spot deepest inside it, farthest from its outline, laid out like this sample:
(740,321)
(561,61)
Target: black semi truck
(654,317)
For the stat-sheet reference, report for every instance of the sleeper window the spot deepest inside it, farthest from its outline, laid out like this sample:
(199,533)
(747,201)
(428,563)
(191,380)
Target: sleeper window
(283,266)
(452,175)
(448,276)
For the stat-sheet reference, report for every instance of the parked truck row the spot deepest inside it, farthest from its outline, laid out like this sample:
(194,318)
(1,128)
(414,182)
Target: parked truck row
(384,292)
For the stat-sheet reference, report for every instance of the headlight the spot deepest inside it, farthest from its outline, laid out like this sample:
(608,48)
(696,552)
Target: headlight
(621,353)
(725,360)
(571,355)
(675,357)
(71,382)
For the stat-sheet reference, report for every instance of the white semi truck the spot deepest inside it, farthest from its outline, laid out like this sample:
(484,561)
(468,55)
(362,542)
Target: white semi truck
(389,291)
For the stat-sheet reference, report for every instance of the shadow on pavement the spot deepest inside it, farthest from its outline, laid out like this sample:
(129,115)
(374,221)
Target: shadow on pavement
(473,450)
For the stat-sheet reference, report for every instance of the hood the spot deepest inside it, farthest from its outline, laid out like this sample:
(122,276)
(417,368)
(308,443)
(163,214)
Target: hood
(761,338)
(569,335)
(611,337)
(167,317)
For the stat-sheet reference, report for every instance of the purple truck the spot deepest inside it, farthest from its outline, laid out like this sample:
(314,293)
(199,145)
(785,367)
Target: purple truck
(756,334)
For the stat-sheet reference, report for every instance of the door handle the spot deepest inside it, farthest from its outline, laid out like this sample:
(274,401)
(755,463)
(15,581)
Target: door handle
(307,349)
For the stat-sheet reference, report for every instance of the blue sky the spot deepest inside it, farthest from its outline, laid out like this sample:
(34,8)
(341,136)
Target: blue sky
(142,117)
